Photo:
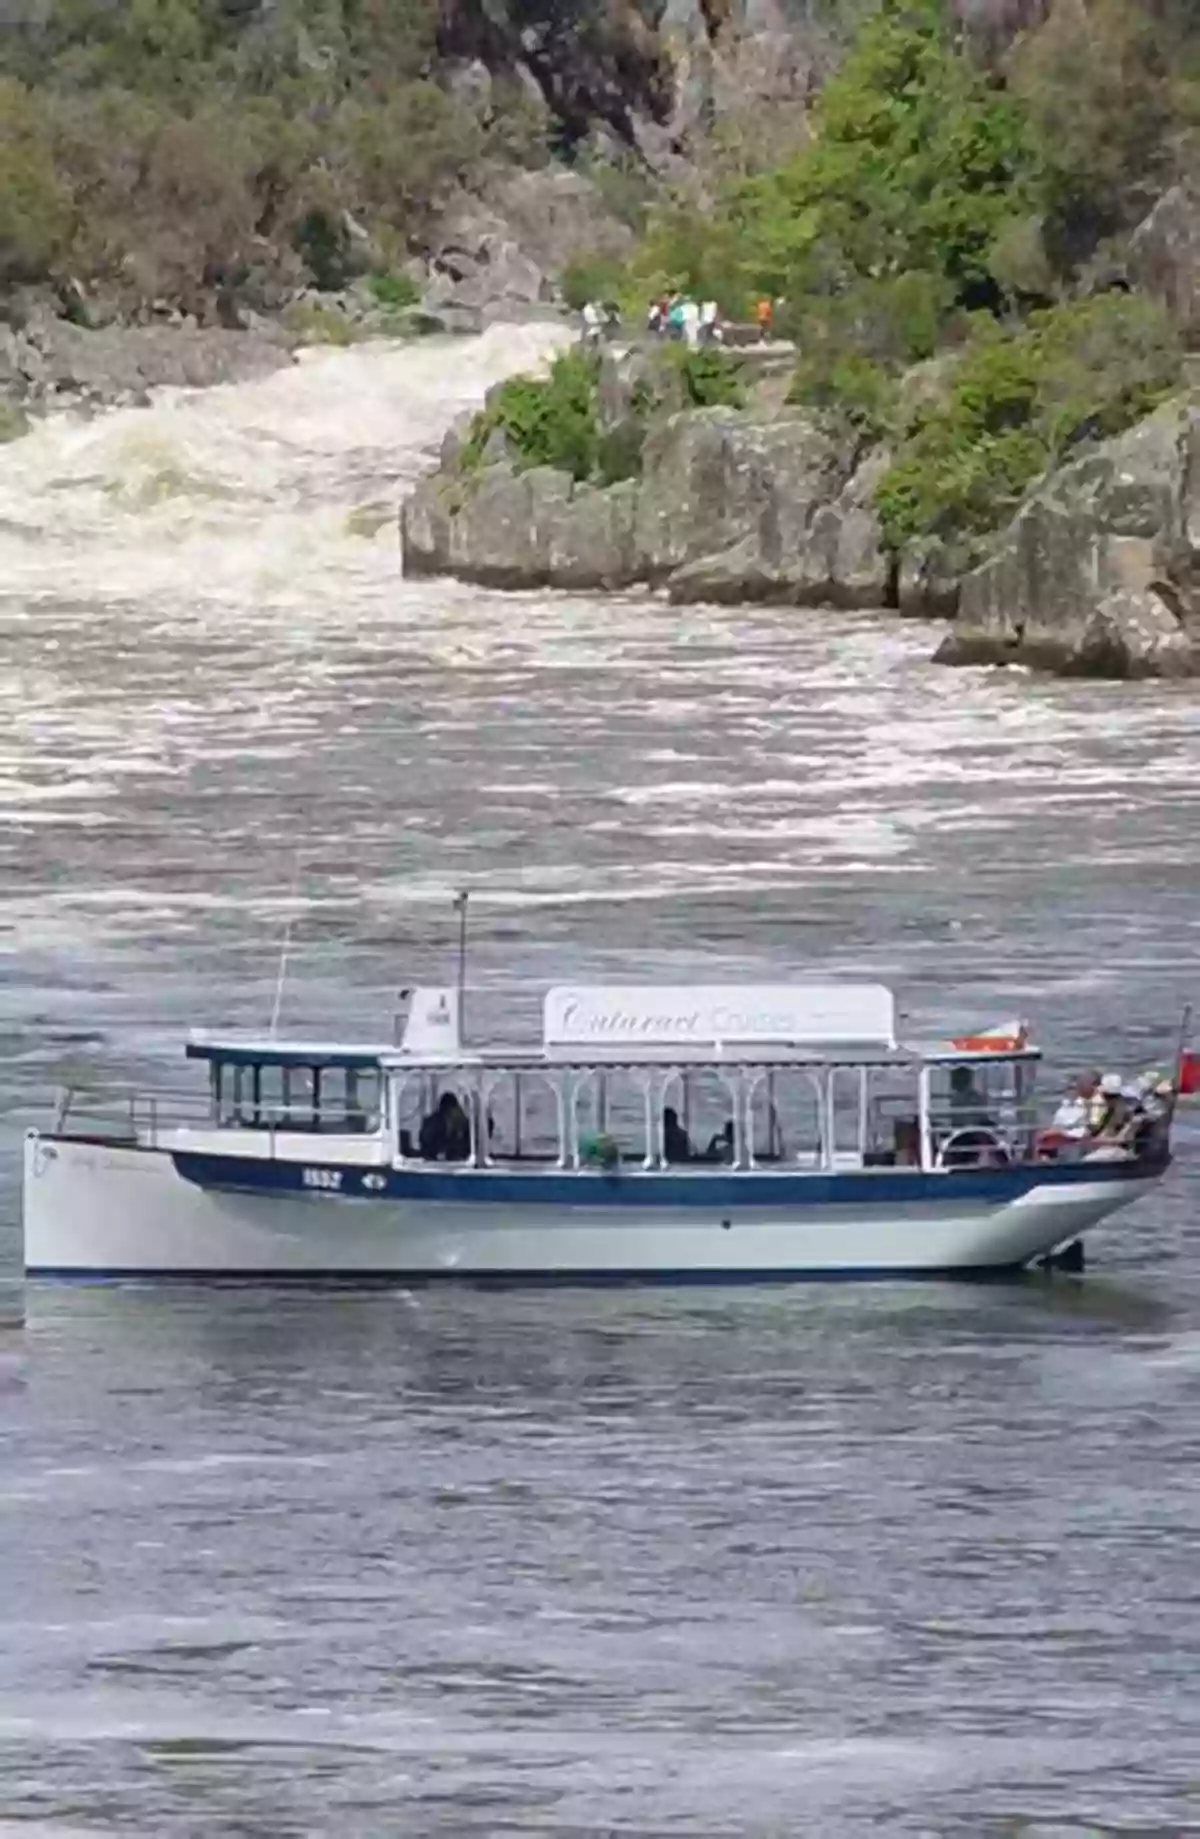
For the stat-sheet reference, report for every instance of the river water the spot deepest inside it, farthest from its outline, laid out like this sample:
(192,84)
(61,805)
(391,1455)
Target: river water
(902,1559)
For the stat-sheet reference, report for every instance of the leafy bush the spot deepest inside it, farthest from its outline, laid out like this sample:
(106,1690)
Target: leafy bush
(393,291)
(36,213)
(183,149)
(850,386)
(546,421)
(310,322)
(590,278)
(619,452)
(13,422)
(711,378)
(1016,402)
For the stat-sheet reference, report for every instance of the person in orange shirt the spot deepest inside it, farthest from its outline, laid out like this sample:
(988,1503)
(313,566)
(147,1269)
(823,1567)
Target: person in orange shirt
(763,314)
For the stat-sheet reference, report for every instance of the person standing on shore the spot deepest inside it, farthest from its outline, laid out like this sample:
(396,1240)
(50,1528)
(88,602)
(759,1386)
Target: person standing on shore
(764,314)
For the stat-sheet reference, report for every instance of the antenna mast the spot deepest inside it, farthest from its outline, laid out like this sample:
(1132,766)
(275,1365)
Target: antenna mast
(460,904)
(284,947)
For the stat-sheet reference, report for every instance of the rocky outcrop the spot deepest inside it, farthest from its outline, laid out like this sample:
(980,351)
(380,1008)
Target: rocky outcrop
(47,362)
(1164,256)
(498,255)
(1099,572)
(509,529)
(733,508)
(728,507)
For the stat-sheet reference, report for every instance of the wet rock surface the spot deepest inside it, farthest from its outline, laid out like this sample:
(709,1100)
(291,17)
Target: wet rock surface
(729,506)
(47,362)
(1099,572)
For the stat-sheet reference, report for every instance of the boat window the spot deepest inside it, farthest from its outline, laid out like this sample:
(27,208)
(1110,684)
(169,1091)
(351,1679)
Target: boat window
(610,1117)
(972,1094)
(362,1098)
(445,1120)
(227,1090)
(264,1087)
(848,1097)
(522,1111)
(698,1107)
(349,1099)
(411,1104)
(784,1117)
(893,1118)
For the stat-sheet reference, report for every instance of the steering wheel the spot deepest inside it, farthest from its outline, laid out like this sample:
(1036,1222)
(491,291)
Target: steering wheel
(973,1147)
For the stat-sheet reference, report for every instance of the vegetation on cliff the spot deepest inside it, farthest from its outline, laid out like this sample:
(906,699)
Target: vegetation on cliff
(187,150)
(966,209)
(558,420)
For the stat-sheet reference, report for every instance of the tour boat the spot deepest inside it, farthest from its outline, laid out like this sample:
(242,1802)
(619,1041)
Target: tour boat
(712,1133)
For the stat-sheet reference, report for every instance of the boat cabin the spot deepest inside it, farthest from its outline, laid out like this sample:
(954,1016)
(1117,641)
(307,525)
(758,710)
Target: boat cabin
(783,1077)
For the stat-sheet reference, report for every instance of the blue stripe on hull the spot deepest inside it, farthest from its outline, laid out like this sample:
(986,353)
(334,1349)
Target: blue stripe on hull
(507,1280)
(650,1192)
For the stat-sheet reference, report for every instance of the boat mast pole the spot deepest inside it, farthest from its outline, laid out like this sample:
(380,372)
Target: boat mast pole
(460,902)
(284,949)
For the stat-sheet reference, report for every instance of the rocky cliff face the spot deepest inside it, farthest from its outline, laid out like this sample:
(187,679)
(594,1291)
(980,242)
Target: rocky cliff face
(729,506)
(1099,572)
(647,74)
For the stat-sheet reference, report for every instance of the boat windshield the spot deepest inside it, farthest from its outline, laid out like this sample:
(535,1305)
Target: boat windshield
(337,1098)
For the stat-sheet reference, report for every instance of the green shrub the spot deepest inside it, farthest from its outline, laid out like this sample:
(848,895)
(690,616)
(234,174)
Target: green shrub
(393,291)
(13,422)
(590,278)
(547,421)
(36,209)
(711,378)
(852,387)
(312,323)
(1016,402)
(619,452)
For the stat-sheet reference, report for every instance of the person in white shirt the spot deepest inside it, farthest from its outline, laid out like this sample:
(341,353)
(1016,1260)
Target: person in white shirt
(1074,1116)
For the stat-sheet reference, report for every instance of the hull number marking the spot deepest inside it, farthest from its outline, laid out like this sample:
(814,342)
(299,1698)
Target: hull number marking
(321,1178)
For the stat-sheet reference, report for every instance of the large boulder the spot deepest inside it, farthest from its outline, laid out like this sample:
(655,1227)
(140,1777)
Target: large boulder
(1099,572)
(510,529)
(478,267)
(738,508)
(728,506)
(1164,255)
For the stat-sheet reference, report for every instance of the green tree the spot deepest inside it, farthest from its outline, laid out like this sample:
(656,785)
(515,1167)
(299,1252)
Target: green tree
(36,205)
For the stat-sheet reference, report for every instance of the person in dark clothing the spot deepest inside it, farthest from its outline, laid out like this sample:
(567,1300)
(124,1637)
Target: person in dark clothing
(445,1134)
(677,1146)
(967,1107)
(720,1147)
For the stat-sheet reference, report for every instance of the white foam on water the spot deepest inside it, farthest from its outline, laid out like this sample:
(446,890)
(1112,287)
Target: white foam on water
(214,666)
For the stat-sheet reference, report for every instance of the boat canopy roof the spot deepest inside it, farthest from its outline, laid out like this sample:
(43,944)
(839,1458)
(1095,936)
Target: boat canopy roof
(810,1024)
(245,1050)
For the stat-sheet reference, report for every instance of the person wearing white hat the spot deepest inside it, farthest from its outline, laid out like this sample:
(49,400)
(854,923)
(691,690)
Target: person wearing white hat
(1116,1112)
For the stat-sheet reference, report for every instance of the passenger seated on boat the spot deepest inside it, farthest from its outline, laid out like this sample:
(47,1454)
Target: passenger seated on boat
(445,1134)
(967,1106)
(1116,1115)
(720,1146)
(677,1145)
(906,1143)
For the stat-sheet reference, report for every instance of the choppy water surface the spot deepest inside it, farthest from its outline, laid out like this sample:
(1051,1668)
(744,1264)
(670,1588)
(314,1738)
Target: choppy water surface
(899,1560)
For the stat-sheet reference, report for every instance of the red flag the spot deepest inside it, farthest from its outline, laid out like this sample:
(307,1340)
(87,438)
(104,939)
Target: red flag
(1189,1074)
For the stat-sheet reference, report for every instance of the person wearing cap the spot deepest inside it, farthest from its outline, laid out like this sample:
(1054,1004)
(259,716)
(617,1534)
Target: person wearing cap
(1073,1117)
(1113,1117)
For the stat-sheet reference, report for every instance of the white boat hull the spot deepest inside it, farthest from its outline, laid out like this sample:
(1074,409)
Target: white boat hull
(110,1210)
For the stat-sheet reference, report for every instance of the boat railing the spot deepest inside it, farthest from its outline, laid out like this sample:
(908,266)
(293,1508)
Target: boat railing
(1008,1132)
(128,1113)
(132,1114)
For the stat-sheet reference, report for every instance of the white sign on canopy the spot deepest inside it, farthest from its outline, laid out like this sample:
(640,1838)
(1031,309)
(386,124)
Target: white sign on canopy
(720,1015)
